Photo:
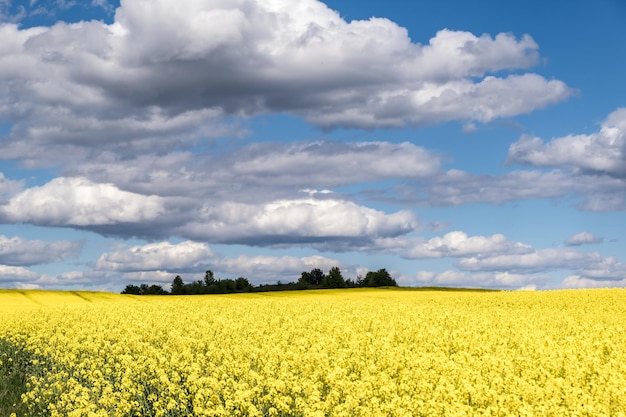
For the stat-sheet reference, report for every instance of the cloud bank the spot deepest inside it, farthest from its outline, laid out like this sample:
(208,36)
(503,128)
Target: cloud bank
(162,77)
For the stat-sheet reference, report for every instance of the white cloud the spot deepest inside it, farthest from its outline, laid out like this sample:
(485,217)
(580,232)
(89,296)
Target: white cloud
(13,274)
(264,269)
(162,76)
(455,100)
(262,171)
(8,187)
(602,152)
(582,238)
(533,261)
(157,257)
(454,188)
(333,163)
(80,202)
(459,244)
(605,269)
(519,266)
(577,281)
(9,14)
(17,251)
(104,4)
(606,200)
(69,279)
(452,278)
(160,263)
(294,221)
(163,278)
(456,244)
(26,286)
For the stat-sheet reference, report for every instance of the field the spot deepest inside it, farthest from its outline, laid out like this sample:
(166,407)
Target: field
(363,352)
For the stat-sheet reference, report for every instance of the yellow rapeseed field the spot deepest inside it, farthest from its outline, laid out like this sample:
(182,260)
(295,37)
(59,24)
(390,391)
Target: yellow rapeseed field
(362,352)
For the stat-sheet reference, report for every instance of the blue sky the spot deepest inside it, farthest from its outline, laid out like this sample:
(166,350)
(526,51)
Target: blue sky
(476,144)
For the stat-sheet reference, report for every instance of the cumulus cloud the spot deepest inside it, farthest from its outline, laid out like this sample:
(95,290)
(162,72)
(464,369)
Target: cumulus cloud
(459,244)
(329,164)
(264,269)
(87,137)
(605,269)
(16,251)
(16,274)
(533,261)
(164,78)
(453,278)
(582,238)
(456,244)
(157,256)
(294,221)
(602,152)
(515,265)
(577,281)
(8,187)
(80,202)
(262,170)
(454,188)
(158,263)
(206,214)
(598,159)
(163,278)
(69,279)
(605,200)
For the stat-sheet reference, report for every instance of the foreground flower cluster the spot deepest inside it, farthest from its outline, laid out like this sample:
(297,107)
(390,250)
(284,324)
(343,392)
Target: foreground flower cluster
(325,353)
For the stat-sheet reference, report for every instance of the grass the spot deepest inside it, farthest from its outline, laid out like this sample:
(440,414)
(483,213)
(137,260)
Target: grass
(13,378)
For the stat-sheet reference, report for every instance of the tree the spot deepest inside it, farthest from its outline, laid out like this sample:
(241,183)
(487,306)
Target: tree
(209,278)
(380,278)
(315,277)
(305,278)
(178,286)
(334,279)
(154,290)
(144,289)
(360,281)
(132,289)
(226,286)
(242,284)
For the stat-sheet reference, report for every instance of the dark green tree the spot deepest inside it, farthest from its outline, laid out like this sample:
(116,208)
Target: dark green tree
(178,286)
(209,278)
(360,281)
(132,289)
(242,284)
(317,276)
(334,279)
(313,278)
(380,278)
(226,286)
(155,290)
(305,279)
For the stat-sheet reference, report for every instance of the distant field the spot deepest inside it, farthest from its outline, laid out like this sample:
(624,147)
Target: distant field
(361,352)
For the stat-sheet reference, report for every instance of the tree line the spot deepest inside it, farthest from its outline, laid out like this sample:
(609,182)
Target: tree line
(314,279)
